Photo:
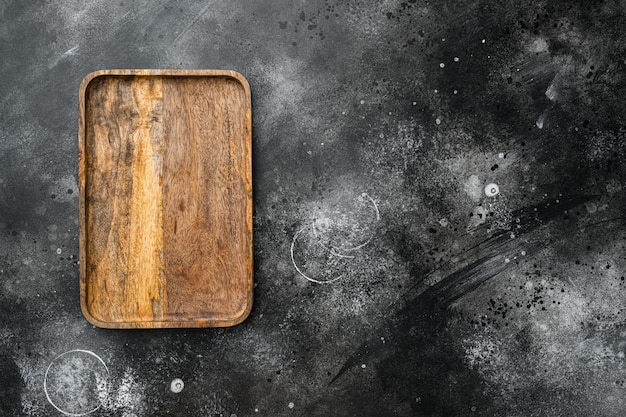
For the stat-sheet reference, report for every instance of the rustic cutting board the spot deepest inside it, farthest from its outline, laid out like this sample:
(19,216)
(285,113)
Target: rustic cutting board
(165,198)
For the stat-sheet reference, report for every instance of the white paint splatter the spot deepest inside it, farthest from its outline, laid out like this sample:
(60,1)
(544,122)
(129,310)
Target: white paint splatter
(177,385)
(492,190)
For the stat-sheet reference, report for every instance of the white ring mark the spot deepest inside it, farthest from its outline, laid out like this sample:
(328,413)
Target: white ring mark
(293,261)
(45,382)
(333,249)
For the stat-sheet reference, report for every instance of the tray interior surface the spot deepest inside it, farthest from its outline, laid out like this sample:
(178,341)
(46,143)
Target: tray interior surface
(166,228)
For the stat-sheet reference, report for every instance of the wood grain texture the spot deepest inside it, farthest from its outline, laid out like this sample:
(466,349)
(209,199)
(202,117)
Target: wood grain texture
(165,198)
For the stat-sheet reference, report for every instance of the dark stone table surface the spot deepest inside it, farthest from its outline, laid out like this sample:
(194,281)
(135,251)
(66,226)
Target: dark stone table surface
(439,210)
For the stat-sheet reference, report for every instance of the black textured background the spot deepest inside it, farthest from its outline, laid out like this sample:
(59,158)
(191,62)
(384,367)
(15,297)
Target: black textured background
(376,127)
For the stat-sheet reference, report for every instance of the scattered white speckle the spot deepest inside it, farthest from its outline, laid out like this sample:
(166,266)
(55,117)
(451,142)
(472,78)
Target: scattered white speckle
(523,253)
(442,65)
(177,385)
(552,93)
(456,59)
(438,121)
(501,155)
(363,366)
(291,405)
(492,190)
(59,251)
(541,120)
(362,101)
(483,41)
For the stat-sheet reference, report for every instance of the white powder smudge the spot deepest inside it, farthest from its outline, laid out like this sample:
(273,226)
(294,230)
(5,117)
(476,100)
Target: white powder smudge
(129,396)
(472,187)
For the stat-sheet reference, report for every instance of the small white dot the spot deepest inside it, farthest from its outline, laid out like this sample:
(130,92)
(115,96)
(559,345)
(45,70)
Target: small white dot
(483,41)
(501,155)
(456,59)
(436,91)
(507,260)
(363,366)
(455,92)
(382,135)
(58,251)
(415,103)
(362,101)
(389,113)
(442,65)
(523,253)
(512,235)
(343,112)
(177,385)
(438,121)
(291,405)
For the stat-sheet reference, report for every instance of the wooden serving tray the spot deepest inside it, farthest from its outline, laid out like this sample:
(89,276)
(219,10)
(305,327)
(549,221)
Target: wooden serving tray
(165,185)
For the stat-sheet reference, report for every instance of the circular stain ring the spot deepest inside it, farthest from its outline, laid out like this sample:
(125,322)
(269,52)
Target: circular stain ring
(293,261)
(333,249)
(45,382)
